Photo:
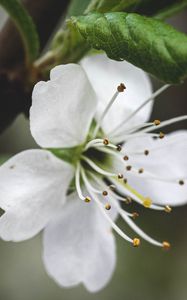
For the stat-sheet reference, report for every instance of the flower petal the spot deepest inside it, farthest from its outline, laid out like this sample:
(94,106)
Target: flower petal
(105,75)
(33,185)
(79,246)
(62,108)
(167,160)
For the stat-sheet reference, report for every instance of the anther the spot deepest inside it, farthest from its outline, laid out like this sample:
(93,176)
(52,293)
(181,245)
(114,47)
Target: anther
(128,168)
(135,215)
(156,122)
(166,245)
(120,176)
(125,180)
(136,242)
(181,182)
(87,199)
(168,209)
(118,148)
(146,152)
(105,193)
(128,200)
(105,141)
(121,88)
(126,157)
(140,171)
(147,202)
(112,187)
(107,206)
(161,135)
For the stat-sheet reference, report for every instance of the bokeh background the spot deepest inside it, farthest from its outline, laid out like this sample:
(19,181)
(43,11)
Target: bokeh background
(146,273)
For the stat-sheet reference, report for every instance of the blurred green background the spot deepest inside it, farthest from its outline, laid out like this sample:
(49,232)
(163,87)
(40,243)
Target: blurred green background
(146,273)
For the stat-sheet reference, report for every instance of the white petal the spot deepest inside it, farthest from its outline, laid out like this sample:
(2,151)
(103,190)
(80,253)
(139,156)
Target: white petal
(168,160)
(105,75)
(33,185)
(79,246)
(62,108)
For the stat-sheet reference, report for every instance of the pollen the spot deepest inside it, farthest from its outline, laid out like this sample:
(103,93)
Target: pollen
(107,206)
(147,202)
(161,135)
(136,242)
(156,122)
(135,215)
(168,209)
(146,152)
(126,157)
(121,88)
(87,199)
(105,141)
(105,193)
(166,245)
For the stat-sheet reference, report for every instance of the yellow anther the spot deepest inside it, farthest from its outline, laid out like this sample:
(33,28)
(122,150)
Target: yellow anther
(135,215)
(168,209)
(166,245)
(157,122)
(161,135)
(105,193)
(87,199)
(147,202)
(105,141)
(136,242)
(107,206)
(121,88)
(126,157)
(146,152)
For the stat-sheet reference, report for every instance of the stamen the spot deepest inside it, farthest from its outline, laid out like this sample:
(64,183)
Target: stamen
(105,141)
(78,186)
(136,242)
(156,122)
(181,182)
(107,206)
(146,152)
(153,96)
(141,170)
(105,193)
(128,168)
(168,209)
(97,168)
(120,89)
(161,135)
(166,245)
(126,157)
(135,215)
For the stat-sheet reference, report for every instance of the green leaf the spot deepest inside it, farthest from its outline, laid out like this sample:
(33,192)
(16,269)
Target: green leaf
(148,43)
(111,5)
(25,26)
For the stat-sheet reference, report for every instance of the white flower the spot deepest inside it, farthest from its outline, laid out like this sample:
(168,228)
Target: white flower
(79,128)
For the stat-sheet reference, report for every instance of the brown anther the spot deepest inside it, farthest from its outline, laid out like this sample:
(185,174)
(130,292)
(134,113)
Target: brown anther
(168,209)
(140,171)
(87,199)
(161,135)
(125,180)
(126,157)
(136,242)
(181,182)
(135,215)
(105,141)
(112,187)
(146,152)
(128,200)
(128,168)
(118,148)
(166,245)
(157,122)
(121,88)
(105,193)
(120,176)
(107,206)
